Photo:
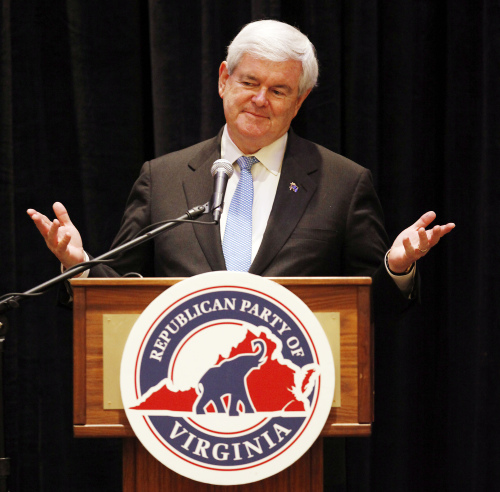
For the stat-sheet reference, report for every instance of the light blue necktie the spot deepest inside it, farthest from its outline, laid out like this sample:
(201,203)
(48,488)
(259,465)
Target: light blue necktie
(237,243)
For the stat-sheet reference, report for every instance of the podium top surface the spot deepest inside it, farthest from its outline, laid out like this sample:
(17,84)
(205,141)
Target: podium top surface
(166,281)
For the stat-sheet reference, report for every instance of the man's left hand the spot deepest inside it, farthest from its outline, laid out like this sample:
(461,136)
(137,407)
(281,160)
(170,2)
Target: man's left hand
(415,242)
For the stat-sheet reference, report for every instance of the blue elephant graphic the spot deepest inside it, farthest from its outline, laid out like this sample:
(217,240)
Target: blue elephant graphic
(229,378)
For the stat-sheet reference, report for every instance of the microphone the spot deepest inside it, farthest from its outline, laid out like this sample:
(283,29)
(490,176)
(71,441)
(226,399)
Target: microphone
(221,170)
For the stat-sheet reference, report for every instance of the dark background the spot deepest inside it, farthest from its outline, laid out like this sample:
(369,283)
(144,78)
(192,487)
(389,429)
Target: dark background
(90,89)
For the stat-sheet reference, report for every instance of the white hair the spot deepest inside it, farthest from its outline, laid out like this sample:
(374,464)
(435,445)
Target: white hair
(275,41)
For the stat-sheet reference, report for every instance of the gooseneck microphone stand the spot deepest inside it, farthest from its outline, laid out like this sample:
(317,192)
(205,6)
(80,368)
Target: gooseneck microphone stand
(11,301)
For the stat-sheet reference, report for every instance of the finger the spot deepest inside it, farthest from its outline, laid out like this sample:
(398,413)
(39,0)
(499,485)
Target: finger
(63,243)
(42,223)
(37,216)
(51,238)
(409,249)
(61,213)
(447,228)
(423,241)
(438,232)
(412,253)
(435,234)
(425,220)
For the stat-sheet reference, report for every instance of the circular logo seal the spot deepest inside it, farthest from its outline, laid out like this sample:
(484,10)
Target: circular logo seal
(227,378)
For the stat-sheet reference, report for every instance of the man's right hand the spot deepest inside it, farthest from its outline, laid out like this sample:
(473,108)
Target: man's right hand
(61,236)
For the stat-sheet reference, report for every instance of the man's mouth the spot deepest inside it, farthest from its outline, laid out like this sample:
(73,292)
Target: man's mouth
(256,114)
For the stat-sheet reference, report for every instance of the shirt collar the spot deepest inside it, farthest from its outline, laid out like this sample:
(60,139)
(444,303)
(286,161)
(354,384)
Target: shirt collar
(271,156)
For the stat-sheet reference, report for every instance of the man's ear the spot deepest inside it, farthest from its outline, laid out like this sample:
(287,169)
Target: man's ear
(223,76)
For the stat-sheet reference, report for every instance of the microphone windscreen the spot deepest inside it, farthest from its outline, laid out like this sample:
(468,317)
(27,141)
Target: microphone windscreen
(222,165)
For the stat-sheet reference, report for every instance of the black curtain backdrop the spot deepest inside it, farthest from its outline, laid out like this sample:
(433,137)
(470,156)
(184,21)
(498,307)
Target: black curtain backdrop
(409,89)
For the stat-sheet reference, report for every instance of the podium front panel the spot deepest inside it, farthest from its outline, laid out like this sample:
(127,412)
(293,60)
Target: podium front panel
(93,298)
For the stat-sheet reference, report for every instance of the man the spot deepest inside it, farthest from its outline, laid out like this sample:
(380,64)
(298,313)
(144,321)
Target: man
(314,212)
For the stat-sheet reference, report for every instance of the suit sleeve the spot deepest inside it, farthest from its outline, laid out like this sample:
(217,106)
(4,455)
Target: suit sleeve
(366,245)
(137,216)
(365,239)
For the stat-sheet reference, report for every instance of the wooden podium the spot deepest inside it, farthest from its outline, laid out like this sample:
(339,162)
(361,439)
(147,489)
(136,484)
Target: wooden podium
(94,298)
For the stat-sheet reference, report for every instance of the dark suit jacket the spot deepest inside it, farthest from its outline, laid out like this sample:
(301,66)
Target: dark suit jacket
(332,226)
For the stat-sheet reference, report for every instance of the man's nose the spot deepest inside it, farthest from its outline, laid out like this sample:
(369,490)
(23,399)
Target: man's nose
(260,99)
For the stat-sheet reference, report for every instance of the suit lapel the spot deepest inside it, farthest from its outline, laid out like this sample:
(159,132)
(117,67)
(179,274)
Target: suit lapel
(289,206)
(199,186)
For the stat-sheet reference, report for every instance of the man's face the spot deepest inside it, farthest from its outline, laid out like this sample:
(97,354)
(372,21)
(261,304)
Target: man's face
(261,98)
